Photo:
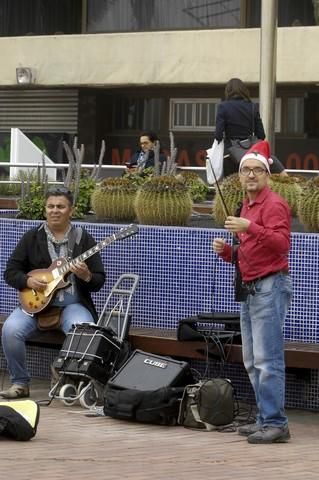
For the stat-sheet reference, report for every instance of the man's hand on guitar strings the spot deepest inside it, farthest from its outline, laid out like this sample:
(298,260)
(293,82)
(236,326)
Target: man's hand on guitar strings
(36,284)
(80,269)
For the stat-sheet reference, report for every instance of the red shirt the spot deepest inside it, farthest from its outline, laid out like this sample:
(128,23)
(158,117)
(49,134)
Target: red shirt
(265,245)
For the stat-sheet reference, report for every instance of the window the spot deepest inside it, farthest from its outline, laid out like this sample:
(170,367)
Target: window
(277,125)
(150,15)
(190,114)
(137,113)
(291,13)
(39,17)
(295,115)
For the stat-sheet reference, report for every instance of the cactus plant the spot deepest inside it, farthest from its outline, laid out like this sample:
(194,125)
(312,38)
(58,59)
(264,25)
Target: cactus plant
(308,209)
(232,193)
(289,188)
(163,200)
(114,198)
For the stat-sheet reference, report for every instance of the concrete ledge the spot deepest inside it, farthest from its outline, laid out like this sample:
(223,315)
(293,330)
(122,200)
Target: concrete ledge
(165,342)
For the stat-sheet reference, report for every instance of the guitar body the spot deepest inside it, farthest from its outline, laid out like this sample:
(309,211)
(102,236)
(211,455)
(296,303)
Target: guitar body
(33,301)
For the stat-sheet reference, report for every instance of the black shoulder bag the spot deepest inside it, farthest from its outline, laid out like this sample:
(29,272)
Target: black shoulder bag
(240,147)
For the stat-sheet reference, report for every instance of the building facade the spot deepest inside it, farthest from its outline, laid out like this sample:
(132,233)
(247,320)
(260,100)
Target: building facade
(106,69)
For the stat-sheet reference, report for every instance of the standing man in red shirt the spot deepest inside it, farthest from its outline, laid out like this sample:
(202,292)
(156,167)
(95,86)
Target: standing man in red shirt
(263,232)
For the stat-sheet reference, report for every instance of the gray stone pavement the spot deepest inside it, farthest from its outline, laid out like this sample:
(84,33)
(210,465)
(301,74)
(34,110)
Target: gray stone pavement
(70,444)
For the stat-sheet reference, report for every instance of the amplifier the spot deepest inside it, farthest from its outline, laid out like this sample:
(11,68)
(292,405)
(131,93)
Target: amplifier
(222,325)
(146,371)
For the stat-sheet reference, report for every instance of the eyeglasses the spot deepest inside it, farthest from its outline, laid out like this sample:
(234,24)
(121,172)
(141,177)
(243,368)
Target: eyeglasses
(245,171)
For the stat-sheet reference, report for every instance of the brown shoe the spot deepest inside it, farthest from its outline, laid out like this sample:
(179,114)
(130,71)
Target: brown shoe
(16,391)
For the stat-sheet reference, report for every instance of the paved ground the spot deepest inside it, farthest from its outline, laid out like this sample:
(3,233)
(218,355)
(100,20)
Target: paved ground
(70,444)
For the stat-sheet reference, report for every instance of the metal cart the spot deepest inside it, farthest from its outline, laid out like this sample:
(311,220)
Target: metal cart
(92,353)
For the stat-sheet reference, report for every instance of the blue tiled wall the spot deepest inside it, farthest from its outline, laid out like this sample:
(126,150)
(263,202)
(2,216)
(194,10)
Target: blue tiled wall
(181,276)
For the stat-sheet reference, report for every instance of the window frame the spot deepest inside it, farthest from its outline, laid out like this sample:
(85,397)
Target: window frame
(195,101)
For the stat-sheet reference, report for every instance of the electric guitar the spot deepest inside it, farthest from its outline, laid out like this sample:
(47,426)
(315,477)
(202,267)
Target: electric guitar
(33,301)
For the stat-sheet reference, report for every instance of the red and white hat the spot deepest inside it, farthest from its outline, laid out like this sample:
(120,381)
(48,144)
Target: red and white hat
(260,151)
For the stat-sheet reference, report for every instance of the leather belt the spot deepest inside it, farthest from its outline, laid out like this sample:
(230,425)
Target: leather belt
(284,271)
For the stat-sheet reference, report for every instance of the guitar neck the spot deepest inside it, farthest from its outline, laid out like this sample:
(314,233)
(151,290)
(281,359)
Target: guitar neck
(84,256)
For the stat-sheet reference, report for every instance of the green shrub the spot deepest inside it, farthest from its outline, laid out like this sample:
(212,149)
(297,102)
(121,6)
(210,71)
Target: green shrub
(83,203)
(196,186)
(31,205)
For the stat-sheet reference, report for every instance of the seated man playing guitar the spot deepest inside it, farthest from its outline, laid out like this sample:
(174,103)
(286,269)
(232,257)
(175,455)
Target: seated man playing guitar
(49,245)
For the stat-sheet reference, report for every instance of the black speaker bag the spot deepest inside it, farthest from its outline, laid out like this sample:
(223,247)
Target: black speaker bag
(92,351)
(159,406)
(19,419)
(147,388)
(89,341)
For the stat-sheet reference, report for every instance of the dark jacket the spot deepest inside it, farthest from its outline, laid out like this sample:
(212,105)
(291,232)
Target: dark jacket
(150,159)
(32,253)
(237,118)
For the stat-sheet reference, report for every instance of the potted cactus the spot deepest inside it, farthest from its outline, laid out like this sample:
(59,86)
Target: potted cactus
(164,199)
(289,188)
(308,209)
(113,199)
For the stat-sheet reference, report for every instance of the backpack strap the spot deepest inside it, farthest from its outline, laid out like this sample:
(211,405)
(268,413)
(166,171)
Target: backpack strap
(189,415)
(253,117)
(195,409)
(195,412)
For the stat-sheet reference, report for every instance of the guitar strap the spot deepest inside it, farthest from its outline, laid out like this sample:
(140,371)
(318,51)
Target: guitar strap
(75,236)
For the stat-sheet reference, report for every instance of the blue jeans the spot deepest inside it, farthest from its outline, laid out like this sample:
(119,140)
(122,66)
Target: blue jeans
(20,326)
(262,317)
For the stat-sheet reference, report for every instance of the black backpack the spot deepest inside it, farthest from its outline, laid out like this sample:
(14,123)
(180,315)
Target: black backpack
(159,406)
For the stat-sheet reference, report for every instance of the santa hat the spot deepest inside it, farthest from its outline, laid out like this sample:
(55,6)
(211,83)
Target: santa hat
(259,151)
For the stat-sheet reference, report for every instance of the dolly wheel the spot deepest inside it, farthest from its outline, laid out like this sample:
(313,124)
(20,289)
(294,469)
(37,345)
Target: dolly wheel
(68,394)
(81,386)
(89,398)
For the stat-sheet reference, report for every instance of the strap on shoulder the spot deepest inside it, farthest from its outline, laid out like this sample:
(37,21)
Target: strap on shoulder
(75,236)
